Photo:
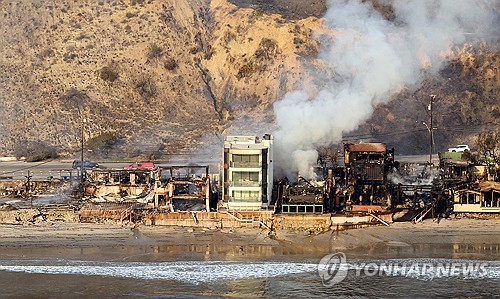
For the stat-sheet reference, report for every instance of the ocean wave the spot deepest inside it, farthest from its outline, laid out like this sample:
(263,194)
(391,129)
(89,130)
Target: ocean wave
(210,271)
(193,272)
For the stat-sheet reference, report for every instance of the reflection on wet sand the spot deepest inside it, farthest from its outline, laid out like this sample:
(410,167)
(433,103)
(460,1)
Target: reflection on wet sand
(491,249)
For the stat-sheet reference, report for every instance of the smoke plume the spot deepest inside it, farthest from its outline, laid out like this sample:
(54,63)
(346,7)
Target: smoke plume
(372,58)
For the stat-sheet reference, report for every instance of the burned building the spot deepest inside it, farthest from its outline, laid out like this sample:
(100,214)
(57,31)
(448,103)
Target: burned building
(367,162)
(457,168)
(185,189)
(172,189)
(454,167)
(119,184)
(303,196)
(367,166)
(247,174)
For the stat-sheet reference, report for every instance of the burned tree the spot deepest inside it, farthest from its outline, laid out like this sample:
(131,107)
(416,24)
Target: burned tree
(328,155)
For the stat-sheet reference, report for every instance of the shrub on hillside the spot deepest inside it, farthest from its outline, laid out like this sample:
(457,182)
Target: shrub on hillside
(108,73)
(154,53)
(268,49)
(35,151)
(74,99)
(102,144)
(246,70)
(146,87)
(170,64)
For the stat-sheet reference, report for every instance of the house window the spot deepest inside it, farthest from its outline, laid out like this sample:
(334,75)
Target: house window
(468,198)
(492,199)
(246,179)
(252,196)
(242,161)
(471,198)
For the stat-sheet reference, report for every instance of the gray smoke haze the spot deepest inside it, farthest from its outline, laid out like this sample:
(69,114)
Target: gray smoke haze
(373,58)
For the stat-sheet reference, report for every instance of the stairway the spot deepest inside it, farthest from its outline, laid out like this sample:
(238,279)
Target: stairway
(420,216)
(245,220)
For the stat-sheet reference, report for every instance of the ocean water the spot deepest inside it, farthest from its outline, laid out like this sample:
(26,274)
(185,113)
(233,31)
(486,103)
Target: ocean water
(274,278)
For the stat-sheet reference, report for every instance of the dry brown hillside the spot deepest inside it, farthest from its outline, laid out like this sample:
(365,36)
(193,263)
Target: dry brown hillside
(158,77)
(161,75)
(467,102)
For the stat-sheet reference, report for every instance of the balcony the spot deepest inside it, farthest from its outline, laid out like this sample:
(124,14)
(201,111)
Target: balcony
(246,183)
(237,164)
(244,199)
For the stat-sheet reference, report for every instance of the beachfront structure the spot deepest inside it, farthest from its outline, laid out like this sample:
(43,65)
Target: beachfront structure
(366,162)
(247,173)
(486,199)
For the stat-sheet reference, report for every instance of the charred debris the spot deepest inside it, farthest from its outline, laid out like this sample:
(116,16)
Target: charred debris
(368,181)
(167,189)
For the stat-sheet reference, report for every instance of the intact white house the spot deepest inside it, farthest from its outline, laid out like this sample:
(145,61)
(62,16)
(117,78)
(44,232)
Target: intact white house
(247,173)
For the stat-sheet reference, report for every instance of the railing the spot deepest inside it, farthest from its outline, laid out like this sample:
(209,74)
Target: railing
(246,183)
(301,208)
(248,219)
(127,214)
(420,216)
(245,164)
(490,204)
(244,199)
(378,218)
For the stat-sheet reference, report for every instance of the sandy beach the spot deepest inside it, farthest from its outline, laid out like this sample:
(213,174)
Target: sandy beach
(79,260)
(457,238)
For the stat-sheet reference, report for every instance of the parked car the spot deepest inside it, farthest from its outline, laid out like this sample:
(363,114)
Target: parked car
(87,164)
(140,165)
(459,148)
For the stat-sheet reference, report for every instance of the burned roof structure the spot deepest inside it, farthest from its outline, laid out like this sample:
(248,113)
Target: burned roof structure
(366,161)
(487,186)
(187,189)
(365,147)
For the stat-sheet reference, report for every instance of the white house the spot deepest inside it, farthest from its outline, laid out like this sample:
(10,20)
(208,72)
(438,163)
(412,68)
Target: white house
(247,173)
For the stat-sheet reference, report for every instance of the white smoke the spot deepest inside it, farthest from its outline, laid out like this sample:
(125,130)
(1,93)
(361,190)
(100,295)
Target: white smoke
(373,58)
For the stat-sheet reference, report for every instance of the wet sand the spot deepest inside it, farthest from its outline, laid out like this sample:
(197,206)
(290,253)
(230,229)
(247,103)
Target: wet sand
(450,238)
(460,238)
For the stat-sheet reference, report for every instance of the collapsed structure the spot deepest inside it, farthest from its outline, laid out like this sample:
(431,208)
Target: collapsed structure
(185,190)
(368,185)
(174,188)
(366,162)
(366,182)
(367,166)
(303,196)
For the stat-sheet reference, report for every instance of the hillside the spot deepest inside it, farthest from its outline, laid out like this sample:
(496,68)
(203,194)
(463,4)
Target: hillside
(165,77)
(467,92)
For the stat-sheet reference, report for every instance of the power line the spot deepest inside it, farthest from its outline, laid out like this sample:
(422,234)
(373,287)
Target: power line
(383,134)
(460,128)
(29,167)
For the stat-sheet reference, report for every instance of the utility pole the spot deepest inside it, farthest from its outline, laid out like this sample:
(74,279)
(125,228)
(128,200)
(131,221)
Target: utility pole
(28,188)
(82,169)
(431,129)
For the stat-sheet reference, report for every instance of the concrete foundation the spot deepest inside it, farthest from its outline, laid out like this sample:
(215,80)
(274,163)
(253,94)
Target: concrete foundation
(18,188)
(130,213)
(36,215)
